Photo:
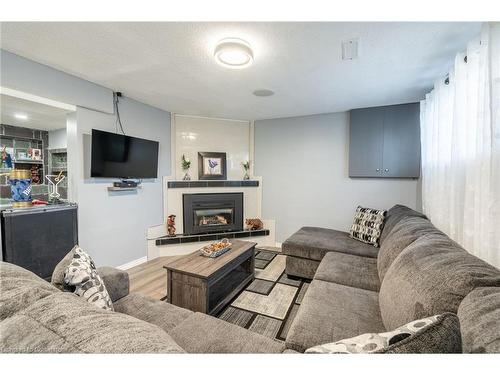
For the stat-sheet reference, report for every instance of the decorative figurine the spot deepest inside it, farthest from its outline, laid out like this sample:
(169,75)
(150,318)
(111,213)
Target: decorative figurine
(6,158)
(171,225)
(35,174)
(254,224)
(186,164)
(246,167)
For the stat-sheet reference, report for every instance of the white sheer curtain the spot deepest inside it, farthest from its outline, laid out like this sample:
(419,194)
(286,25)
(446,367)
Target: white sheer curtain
(460,132)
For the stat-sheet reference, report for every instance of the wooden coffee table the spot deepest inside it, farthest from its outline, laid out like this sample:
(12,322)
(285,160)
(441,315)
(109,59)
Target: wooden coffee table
(203,284)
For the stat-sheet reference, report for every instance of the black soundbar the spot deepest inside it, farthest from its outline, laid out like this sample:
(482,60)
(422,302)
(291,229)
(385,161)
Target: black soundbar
(125,184)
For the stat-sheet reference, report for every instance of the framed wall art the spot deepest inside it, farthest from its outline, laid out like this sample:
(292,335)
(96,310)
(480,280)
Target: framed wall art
(212,166)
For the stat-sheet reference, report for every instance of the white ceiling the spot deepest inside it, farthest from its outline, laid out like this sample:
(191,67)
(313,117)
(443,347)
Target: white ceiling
(40,116)
(171,65)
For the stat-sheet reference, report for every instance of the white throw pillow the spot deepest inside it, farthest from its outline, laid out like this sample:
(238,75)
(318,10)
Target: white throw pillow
(82,274)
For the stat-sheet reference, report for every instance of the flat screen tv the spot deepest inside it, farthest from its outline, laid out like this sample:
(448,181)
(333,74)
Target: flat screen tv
(121,156)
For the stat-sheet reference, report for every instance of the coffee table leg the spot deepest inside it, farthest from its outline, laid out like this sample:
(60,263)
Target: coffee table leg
(169,286)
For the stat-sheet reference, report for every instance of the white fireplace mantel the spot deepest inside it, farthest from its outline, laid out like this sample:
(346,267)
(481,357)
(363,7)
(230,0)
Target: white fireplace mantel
(172,205)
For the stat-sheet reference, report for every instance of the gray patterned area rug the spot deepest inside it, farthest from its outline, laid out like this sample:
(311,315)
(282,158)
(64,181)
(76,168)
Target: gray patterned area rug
(267,305)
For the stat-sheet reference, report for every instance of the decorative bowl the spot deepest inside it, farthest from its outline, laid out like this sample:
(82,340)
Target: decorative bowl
(216,249)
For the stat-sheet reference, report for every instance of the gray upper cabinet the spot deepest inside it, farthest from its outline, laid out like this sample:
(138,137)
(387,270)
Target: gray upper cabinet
(367,142)
(385,141)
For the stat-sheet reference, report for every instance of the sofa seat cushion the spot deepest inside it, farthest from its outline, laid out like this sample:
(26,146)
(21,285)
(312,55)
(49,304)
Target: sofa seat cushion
(396,214)
(330,312)
(65,323)
(202,333)
(314,243)
(479,315)
(20,288)
(301,267)
(431,276)
(403,233)
(349,270)
(159,313)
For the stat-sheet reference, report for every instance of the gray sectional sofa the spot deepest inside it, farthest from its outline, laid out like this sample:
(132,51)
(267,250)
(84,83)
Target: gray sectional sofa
(37,317)
(417,272)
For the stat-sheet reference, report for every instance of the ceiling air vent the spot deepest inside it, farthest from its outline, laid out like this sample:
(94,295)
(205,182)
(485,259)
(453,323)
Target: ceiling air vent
(350,49)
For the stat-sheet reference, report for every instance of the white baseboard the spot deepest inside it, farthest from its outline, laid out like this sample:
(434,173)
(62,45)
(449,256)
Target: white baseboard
(278,244)
(133,263)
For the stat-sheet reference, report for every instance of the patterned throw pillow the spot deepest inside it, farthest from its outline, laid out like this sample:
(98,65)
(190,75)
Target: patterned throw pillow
(436,334)
(367,225)
(81,274)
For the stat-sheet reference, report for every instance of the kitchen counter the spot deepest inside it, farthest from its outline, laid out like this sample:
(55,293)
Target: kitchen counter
(8,206)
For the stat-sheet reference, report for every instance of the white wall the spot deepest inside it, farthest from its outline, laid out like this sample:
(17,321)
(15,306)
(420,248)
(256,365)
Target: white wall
(31,77)
(58,138)
(112,227)
(202,134)
(303,162)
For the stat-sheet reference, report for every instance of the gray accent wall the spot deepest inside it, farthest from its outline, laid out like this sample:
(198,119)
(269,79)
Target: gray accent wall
(112,226)
(303,162)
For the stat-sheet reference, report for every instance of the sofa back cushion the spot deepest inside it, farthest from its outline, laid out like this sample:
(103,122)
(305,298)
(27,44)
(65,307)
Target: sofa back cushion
(20,288)
(394,215)
(403,233)
(479,315)
(431,276)
(435,334)
(59,271)
(65,323)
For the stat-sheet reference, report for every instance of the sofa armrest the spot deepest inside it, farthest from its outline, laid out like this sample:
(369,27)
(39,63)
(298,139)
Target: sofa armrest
(116,281)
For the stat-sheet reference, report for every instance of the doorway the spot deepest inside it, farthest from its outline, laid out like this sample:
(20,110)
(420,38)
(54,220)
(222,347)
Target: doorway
(33,138)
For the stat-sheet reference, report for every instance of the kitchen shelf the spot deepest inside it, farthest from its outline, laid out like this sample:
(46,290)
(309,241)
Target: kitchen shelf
(27,161)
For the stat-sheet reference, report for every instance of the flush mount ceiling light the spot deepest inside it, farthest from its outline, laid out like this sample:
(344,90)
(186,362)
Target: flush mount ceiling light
(233,53)
(21,116)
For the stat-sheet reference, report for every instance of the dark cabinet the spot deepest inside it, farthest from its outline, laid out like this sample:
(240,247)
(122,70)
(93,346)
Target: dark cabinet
(385,141)
(366,142)
(38,238)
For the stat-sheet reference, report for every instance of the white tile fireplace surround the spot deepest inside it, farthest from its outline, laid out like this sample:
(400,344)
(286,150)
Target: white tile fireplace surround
(190,135)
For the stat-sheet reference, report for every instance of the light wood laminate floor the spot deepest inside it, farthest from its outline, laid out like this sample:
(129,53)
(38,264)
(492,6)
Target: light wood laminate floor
(150,278)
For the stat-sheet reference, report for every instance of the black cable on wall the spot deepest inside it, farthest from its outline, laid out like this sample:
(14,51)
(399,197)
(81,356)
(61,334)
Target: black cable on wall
(118,122)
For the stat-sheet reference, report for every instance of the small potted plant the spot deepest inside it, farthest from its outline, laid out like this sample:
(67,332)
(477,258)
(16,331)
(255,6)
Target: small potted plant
(186,164)
(246,168)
